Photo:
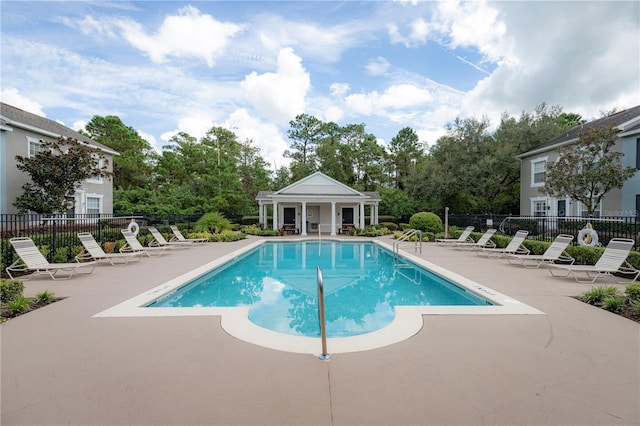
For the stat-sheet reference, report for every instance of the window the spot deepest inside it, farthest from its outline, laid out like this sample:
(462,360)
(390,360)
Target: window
(93,205)
(35,146)
(538,167)
(539,207)
(596,213)
(97,179)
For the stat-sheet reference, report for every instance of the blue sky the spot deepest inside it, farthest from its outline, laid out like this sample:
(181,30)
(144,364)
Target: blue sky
(165,66)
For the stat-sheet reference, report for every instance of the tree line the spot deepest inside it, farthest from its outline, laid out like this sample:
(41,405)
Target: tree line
(470,169)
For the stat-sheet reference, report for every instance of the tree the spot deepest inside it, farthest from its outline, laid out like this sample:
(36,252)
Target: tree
(588,169)
(406,150)
(305,133)
(132,168)
(56,172)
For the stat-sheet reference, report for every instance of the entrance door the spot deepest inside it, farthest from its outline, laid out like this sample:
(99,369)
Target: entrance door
(289,215)
(347,215)
(562,208)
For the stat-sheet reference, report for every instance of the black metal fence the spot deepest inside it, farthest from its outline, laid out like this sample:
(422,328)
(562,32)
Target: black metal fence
(546,228)
(59,232)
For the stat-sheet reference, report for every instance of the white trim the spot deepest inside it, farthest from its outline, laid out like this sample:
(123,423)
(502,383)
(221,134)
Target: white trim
(535,200)
(534,161)
(85,202)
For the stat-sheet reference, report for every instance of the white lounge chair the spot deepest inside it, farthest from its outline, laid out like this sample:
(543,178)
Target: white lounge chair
(134,246)
(177,236)
(93,251)
(465,236)
(514,247)
(483,242)
(555,253)
(160,241)
(613,261)
(32,260)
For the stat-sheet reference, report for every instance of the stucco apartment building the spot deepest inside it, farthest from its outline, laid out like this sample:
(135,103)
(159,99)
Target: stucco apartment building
(618,202)
(20,134)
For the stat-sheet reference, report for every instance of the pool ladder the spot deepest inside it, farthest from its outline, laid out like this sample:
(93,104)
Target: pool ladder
(405,240)
(323,326)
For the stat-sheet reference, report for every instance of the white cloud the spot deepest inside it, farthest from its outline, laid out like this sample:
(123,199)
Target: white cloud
(79,125)
(186,35)
(266,136)
(13,97)
(378,66)
(280,95)
(571,63)
(97,28)
(313,41)
(339,89)
(395,97)
(151,139)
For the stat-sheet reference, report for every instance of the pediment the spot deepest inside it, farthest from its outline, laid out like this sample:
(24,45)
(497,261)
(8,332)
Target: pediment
(318,184)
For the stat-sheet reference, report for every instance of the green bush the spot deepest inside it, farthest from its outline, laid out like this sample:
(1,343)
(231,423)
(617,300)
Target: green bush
(44,298)
(613,304)
(426,221)
(387,218)
(585,255)
(212,222)
(597,295)
(60,255)
(536,247)
(390,226)
(633,291)
(250,220)
(10,290)
(501,240)
(19,305)
(405,226)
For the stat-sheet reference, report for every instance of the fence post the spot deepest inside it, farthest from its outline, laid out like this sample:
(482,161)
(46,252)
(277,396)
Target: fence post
(54,240)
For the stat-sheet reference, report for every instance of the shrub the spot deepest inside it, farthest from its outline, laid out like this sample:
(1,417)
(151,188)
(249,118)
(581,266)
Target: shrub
(613,304)
(585,255)
(404,226)
(212,222)
(633,291)
(60,256)
(426,221)
(597,295)
(389,225)
(387,218)
(18,306)
(10,290)
(501,240)
(44,298)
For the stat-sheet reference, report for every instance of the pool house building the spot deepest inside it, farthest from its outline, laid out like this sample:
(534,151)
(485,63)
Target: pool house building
(317,203)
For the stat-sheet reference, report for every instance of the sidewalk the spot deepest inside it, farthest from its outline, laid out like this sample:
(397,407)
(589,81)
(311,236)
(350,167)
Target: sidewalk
(576,365)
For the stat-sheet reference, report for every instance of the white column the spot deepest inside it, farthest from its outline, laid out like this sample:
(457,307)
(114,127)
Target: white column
(260,213)
(275,215)
(375,209)
(303,220)
(333,218)
(361,215)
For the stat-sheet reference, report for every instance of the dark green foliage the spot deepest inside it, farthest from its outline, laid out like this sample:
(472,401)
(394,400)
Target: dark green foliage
(389,225)
(10,290)
(212,222)
(501,240)
(633,291)
(426,221)
(597,295)
(19,305)
(56,172)
(613,304)
(44,298)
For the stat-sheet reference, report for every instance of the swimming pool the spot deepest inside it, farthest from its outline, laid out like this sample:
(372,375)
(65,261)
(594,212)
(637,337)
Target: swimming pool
(407,320)
(363,283)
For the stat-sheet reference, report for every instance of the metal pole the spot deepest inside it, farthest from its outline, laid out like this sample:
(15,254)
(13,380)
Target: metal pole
(323,331)
(446,222)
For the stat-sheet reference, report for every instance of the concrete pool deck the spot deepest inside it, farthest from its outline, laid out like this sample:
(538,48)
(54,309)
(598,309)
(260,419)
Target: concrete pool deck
(575,365)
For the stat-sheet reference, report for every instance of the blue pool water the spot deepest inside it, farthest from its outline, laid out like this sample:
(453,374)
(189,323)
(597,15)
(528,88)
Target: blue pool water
(363,282)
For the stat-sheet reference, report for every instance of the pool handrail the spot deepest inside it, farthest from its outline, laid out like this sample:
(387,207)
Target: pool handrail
(323,326)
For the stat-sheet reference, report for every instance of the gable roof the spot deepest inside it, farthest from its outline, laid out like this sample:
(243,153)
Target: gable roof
(624,120)
(318,184)
(15,117)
